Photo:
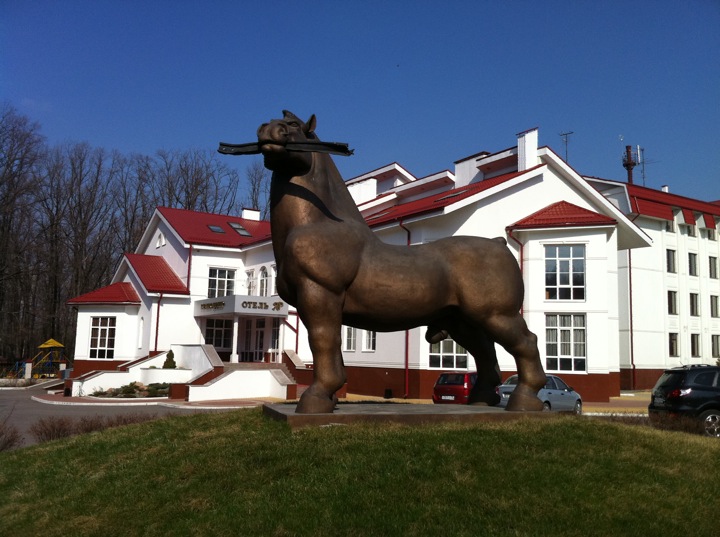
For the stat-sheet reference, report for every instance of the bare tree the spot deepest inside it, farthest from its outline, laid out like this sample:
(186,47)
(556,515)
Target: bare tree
(20,146)
(258,189)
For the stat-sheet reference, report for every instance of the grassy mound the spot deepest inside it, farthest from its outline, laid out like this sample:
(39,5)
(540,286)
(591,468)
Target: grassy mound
(241,474)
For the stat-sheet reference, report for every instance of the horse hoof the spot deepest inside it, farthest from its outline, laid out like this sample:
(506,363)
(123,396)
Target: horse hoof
(524,401)
(315,404)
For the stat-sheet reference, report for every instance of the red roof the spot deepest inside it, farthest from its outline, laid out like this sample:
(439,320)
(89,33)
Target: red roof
(659,204)
(563,214)
(117,293)
(194,228)
(156,275)
(436,202)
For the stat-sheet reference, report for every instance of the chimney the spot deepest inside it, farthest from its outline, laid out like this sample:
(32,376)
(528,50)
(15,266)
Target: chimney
(527,149)
(629,163)
(250,214)
(665,188)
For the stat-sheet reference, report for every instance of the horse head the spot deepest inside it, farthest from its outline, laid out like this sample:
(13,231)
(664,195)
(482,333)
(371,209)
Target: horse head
(273,138)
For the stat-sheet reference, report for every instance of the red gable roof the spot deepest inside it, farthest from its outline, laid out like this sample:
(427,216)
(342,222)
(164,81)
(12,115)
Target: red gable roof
(194,228)
(563,214)
(156,275)
(438,201)
(659,204)
(117,293)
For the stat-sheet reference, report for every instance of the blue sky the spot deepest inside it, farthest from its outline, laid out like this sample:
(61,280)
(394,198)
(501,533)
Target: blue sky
(415,82)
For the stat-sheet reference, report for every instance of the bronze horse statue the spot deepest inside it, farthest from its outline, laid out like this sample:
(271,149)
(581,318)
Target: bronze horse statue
(334,270)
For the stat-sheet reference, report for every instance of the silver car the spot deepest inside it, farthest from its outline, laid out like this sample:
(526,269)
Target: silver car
(555,395)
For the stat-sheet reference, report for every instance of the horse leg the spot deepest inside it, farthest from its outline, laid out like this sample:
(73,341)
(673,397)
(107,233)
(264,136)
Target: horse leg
(512,333)
(320,311)
(482,349)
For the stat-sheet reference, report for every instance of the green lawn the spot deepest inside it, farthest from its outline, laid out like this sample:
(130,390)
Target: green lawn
(242,474)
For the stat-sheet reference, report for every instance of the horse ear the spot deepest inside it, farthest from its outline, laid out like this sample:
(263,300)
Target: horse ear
(310,124)
(288,114)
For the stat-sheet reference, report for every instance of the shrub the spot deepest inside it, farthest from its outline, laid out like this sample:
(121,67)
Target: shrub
(170,361)
(10,437)
(46,429)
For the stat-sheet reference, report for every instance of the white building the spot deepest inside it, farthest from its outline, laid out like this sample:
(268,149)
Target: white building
(200,281)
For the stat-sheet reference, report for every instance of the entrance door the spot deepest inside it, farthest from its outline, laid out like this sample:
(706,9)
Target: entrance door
(253,343)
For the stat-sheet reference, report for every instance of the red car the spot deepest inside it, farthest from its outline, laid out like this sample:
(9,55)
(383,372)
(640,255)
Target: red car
(454,388)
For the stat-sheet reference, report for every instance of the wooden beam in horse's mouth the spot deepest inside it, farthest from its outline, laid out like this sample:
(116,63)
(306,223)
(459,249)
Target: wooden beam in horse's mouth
(315,146)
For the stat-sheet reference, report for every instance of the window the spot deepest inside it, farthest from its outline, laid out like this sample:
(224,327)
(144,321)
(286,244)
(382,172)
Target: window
(160,241)
(349,338)
(218,333)
(673,348)
(447,354)
(221,282)
(275,336)
(216,229)
(689,229)
(711,235)
(670,261)
(250,282)
(565,272)
(695,345)
(694,305)
(102,337)
(259,339)
(692,264)
(715,341)
(264,282)
(672,302)
(714,308)
(669,226)
(274,280)
(713,267)
(369,341)
(565,346)
(239,228)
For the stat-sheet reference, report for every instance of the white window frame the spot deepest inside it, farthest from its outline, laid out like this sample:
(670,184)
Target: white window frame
(566,342)
(713,267)
(447,354)
(565,271)
(218,333)
(670,261)
(673,344)
(695,345)
(692,264)
(250,282)
(369,342)
(672,302)
(224,282)
(694,305)
(349,339)
(263,282)
(102,338)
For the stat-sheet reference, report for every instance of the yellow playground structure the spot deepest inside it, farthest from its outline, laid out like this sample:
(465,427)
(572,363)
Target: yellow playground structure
(49,362)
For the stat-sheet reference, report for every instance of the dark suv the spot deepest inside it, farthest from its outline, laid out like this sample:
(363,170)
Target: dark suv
(691,392)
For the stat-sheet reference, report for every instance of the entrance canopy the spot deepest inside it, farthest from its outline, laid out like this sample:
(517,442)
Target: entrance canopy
(259,306)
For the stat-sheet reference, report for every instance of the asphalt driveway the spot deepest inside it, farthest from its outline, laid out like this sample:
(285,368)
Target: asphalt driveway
(20,411)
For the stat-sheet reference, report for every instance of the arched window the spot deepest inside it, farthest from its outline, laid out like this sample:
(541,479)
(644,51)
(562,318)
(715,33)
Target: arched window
(264,280)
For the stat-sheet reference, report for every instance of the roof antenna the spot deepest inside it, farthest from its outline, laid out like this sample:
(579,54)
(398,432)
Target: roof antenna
(564,136)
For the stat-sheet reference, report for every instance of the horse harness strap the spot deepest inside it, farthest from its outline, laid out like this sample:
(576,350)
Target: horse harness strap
(253,148)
